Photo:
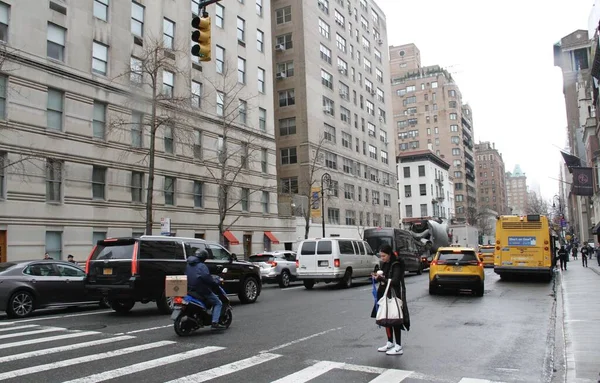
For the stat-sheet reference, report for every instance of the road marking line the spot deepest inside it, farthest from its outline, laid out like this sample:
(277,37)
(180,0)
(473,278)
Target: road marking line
(64,316)
(143,366)
(47,339)
(148,329)
(367,369)
(302,339)
(470,380)
(82,359)
(392,375)
(53,350)
(226,369)
(49,329)
(309,373)
(19,327)
(6,323)
(293,288)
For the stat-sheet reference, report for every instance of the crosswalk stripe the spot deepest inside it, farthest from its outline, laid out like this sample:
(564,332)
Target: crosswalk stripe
(471,380)
(54,350)
(309,373)
(26,333)
(18,327)
(119,372)
(6,323)
(392,375)
(82,359)
(47,339)
(227,369)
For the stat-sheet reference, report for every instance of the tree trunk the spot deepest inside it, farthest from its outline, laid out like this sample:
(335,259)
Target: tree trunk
(150,191)
(307,223)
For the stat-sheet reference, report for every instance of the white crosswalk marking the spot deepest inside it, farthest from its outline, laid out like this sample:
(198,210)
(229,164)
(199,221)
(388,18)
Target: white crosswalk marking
(82,359)
(19,327)
(470,380)
(145,365)
(392,375)
(54,350)
(44,330)
(226,369)
(47,339)
(309,373)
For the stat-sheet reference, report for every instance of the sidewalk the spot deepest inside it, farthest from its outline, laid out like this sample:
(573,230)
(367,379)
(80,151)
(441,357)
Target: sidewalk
(581,320)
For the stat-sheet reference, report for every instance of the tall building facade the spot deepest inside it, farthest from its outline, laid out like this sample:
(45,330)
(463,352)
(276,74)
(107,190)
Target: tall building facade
(491,191)
(516,191)
(77,106)
(333,109)
(428,110)
(424,187)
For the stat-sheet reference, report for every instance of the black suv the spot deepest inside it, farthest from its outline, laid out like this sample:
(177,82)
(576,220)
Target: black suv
(129,270)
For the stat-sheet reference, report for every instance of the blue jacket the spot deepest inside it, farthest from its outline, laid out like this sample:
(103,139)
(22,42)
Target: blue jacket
(199,279)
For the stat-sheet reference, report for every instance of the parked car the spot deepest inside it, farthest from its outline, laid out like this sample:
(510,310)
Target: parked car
(402,242)
(456,268)
(486,253)
(130,270)
(335,260)
(276,266)
(26,286)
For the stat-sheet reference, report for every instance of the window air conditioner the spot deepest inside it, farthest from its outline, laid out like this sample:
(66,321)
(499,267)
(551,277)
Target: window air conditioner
(281,75)
(280,47)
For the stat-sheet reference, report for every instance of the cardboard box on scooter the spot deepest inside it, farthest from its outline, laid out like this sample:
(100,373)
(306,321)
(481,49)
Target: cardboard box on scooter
(175,285)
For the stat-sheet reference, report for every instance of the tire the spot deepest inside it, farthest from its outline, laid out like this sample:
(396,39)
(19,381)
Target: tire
(309,284)
(346,281)
(104,303)
(284,279)
(164,304)
(122,306)
(227,318)
(20,304)
(249,290)
(432,289)
(480,290)
(179,329)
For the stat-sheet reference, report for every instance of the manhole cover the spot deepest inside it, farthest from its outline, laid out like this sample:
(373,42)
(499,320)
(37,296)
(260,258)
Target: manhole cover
(88,327)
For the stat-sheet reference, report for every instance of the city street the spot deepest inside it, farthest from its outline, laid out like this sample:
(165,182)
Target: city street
(296,335)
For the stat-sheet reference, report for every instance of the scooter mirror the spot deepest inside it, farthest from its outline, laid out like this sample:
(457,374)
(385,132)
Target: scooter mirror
(224,271)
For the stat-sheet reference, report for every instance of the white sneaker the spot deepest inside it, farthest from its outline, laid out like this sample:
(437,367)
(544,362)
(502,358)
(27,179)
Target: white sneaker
(388,346)
(397,350)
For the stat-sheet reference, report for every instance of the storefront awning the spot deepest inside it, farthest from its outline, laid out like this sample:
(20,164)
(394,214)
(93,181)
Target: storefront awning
(231,238)
(273,238)
(596,229)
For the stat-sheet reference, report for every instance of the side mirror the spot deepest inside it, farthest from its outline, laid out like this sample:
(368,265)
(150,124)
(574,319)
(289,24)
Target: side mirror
(232,257)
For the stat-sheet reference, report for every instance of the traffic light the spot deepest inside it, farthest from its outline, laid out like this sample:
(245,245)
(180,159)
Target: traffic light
(202,37)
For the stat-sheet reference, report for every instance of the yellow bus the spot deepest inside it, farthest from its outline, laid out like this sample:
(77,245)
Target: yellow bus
(524,245)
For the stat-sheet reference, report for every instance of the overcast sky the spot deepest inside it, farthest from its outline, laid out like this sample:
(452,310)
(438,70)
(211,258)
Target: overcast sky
(501,53)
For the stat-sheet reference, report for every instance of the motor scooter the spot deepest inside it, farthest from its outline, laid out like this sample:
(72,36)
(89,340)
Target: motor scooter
(191,314)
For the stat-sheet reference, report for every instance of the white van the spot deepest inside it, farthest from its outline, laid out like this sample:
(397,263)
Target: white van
(334,259)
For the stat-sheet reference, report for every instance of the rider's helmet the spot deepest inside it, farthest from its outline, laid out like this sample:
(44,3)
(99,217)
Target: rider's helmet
(202,255)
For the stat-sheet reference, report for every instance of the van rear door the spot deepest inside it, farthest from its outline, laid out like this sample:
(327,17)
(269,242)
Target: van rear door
(307,257)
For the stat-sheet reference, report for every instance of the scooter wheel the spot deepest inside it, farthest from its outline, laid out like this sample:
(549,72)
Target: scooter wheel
(226,318)
(180,328)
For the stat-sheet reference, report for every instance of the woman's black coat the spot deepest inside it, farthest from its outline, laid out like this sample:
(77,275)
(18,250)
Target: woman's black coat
(394,270)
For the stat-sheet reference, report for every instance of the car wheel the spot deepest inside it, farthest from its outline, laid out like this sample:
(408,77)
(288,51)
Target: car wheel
(122,306)
(104,303)
(20,304)
(164,304)
(284,279)
(480,290)
(347,279)
(249,292)
(309,284)
(432,289)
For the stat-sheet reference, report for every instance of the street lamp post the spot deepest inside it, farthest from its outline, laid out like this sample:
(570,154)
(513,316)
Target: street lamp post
(324,178)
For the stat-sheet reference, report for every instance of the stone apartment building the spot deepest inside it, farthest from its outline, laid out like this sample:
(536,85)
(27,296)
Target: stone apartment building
(517,193)
(491,179)
(74,144)
(428,110)
(333,108)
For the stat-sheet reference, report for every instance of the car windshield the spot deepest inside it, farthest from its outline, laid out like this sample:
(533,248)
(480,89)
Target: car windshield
(458,256)
(5,266)
(261,258)
(377,242)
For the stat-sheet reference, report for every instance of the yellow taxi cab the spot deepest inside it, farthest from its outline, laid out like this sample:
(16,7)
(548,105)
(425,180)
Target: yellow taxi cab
(456,268)
(486,253)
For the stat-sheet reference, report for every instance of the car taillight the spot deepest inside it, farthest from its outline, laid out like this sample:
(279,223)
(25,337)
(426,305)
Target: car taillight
(87,262)
(480,264)
(134,261)
(272,263)
(423,259)
(177,300)
(433,263)
(336,263)
(297,263)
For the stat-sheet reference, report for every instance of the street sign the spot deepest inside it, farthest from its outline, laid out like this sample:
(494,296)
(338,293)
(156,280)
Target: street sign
(165,226)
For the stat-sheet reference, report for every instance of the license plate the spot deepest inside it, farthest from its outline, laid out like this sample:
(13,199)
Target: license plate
(457,268)
(323,263)
(107,272)
(175,314)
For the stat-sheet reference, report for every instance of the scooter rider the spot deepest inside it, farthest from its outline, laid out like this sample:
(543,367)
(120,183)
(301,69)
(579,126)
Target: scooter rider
(201,282)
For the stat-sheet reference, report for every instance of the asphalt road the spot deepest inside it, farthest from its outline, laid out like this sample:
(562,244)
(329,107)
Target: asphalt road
(296,335)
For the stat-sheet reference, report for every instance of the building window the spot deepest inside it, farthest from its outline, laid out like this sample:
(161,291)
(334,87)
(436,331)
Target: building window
(4,12)
(196,94)
(408,210)
(137,180)
(422,189)
(260,40)
(453,116)
(241,70)
(350,217)
(328,133)
(219,15)
(244,155)
(287,98)
(340,42)
(283,15)
(421,170)
(326,79)
(262,119)
(101,9)
(198,194)
(168,83)
(137,136)
(54,244)
(288,156)
(285,41)
(423,210)
(3,165)
(328,106)
(407,191)
(406,172)
(54,109)
(241,29)
(220,59)
(242,111)
(333,216)
(265,202)
(384,157)
(289,185)
(98,182)
(259,7)
(197,144)
(99,123)
(221,149)
(263,160)
(373,152)
(53,180)
(261,80)
(56,42)
(245,200)
(168,140)
(137,19)
(287,126)
(285,69)
(387,199)
(324,29)
(220,103)
(325,54)
(135,71)
(169,191)
(349,191)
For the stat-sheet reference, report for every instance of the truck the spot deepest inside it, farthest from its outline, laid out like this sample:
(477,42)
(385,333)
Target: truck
(430,235)
(464,235)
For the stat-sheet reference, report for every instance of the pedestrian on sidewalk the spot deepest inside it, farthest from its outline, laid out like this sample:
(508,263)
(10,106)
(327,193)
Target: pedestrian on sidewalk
(574,251)
(562,257)
(393,269)
(584,254)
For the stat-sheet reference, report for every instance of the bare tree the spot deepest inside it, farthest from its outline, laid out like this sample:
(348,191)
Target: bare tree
(472,215)
(537,205)
(147,75)
(486,222)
